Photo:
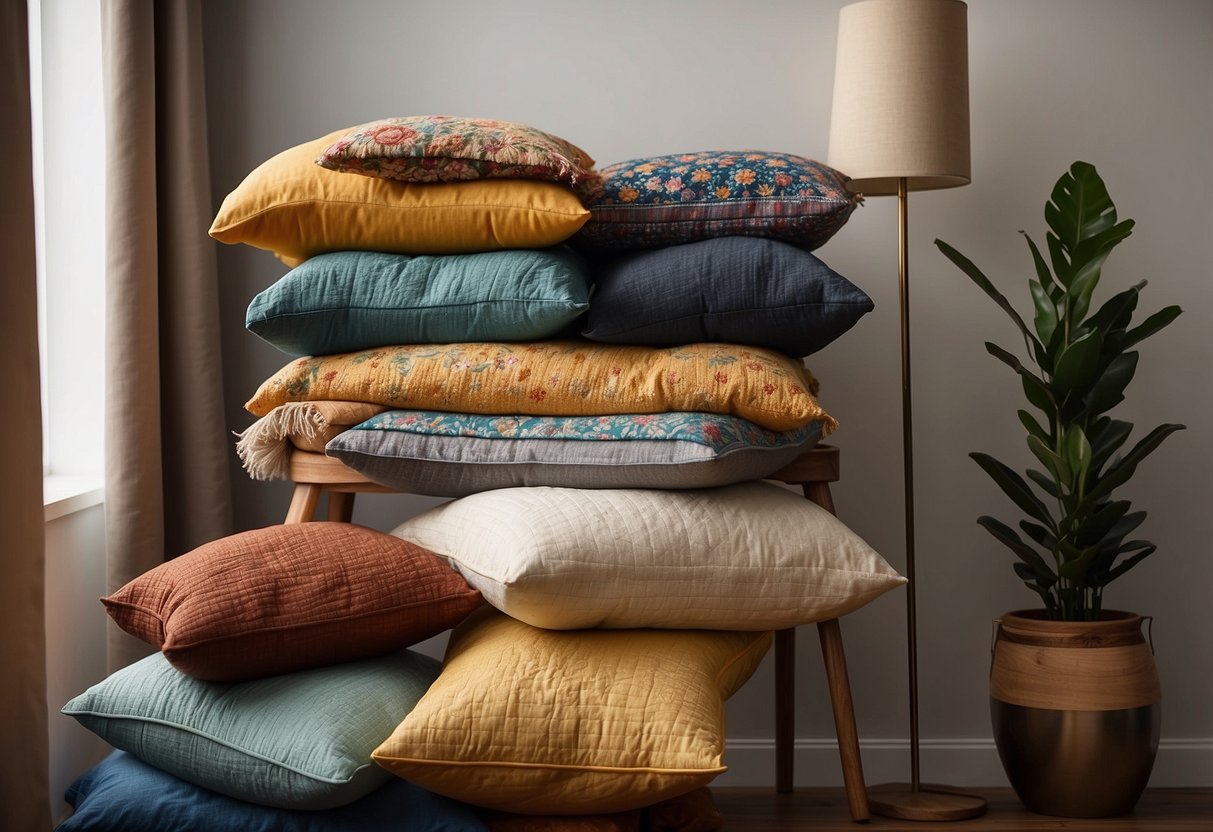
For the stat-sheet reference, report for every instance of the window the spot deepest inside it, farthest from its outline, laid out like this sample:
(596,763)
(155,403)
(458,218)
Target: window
(69,193)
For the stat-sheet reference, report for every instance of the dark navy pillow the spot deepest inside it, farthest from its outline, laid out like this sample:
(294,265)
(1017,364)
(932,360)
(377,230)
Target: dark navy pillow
(123,794)
(738,290)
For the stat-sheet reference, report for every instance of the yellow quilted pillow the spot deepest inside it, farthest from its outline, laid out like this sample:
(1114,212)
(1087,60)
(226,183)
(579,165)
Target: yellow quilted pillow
(558,378)
(296,209)
(544,722)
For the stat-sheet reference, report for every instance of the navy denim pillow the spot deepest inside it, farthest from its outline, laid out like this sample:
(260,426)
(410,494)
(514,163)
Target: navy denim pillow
(739,290)
(123,794)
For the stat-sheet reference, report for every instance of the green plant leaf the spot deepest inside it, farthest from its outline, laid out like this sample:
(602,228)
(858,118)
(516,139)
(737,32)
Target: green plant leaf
(1039,534)
(1150,325)
(1120,471)
(1043,274)
(1075,570)
(1056,466)
(1059,259)
(1116,311)
(1035,389)
(1007,536)
(1104,577)
(1015,488)
(1078,455)
(1122,528)
(1108,441)
(1086,263)
(1046,483)
(1108,391)
(983,282)
(1101,521)
(1079,207)
(1046,313)
(1032,426)
(1078,363)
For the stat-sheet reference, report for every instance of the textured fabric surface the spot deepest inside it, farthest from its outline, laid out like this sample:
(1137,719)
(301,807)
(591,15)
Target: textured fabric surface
(298,741)
(558,378)
(352,300)
(667,200)
(741,290)
(124,794)
(23,723)
(454,454)
(167,485)
(296,209)
(752,556)
(453,149)
(285,598)
(540,722)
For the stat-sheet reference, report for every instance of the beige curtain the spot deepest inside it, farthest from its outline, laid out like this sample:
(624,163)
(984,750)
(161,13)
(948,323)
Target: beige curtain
(24,797)
(167,446)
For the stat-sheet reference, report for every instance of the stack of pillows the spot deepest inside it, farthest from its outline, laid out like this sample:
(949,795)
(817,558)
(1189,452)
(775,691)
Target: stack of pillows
(608,505)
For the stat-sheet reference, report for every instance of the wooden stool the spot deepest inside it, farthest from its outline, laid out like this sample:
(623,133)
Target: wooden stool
(315,474)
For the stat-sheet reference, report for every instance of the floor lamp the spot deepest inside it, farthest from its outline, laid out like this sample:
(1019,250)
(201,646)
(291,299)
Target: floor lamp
(900,123)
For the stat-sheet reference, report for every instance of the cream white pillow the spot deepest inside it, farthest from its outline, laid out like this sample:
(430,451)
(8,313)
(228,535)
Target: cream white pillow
(752,556)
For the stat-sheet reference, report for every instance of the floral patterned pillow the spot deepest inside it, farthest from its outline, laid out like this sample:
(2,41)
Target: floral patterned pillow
(684,198)
(454,149)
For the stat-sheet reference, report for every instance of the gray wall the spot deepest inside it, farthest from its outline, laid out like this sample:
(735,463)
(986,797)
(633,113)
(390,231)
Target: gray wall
(1124,85)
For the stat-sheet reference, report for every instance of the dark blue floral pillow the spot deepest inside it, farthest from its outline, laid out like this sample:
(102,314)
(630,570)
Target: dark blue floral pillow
(683,198)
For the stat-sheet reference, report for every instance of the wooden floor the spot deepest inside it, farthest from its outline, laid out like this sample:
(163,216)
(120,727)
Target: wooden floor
(825,810)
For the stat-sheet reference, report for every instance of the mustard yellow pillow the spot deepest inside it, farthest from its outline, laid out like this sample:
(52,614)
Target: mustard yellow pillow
(544,722)
(558,378)
(296,209)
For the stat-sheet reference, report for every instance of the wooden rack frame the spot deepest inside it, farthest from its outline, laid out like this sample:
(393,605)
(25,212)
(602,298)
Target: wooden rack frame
(315,474)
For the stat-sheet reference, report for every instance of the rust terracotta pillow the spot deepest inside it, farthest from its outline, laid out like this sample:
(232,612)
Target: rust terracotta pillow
(286,598)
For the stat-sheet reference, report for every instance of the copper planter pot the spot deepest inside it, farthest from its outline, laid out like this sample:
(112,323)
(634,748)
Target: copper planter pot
(1075,707)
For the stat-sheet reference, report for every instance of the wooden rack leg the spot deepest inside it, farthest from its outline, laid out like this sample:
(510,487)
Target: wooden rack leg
(303,503)
(844,718)
(785,708)
(341,506)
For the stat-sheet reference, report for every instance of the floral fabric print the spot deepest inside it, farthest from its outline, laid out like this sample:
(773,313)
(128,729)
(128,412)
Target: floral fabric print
(683,198)
(558,378)
(454,149)
(718,432)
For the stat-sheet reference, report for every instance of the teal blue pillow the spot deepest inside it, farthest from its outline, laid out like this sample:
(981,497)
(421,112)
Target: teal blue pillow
(297,741)
(122,794)
(354,300)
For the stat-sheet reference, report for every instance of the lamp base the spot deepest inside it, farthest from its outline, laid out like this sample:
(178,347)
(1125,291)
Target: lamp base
(931,802)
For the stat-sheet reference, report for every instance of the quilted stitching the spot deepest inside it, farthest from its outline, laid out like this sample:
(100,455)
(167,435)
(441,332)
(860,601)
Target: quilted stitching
(285,598)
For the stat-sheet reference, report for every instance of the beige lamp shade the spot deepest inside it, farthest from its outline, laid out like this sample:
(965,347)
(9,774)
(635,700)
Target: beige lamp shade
(901,95)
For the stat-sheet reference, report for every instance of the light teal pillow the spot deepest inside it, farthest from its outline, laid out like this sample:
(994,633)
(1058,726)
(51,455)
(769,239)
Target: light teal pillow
(297,741)
(353,300)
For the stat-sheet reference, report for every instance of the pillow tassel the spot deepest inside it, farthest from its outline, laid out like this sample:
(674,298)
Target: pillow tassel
(264,446)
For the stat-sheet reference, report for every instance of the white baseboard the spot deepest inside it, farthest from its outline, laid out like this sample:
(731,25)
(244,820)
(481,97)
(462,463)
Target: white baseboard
(1181,763)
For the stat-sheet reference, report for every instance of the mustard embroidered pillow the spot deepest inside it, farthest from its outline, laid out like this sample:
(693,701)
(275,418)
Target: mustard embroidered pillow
(296,209)
(542,722)
(558,378)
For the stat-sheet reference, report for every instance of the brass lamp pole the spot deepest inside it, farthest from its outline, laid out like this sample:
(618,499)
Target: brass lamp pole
(900,122)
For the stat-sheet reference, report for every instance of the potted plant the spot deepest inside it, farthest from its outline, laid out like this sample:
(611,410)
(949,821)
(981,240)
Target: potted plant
(1074,692)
